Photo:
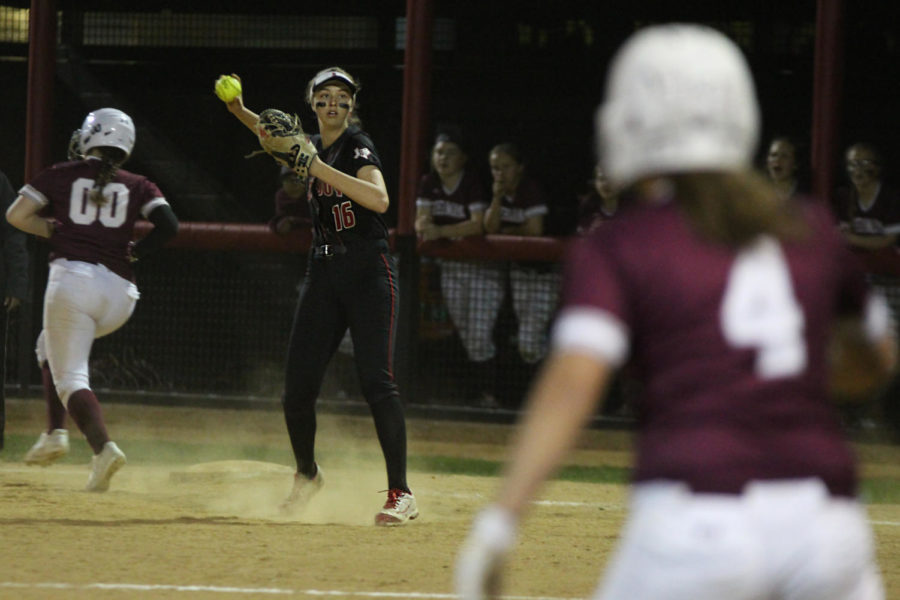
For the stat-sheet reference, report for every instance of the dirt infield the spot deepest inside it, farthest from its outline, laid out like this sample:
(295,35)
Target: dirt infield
(203,524)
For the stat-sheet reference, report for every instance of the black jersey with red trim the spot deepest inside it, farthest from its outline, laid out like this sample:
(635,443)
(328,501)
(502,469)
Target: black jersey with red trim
(336,218)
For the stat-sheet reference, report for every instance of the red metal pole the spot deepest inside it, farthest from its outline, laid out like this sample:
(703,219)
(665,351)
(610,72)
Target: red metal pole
(416,103)
(828,80)
(41,75)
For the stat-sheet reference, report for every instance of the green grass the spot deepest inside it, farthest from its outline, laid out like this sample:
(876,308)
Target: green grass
(157,452)
(880,491)
(873,491)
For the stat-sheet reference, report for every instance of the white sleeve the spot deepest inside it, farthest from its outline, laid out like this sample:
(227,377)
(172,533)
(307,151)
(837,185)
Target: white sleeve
(592,331)
(876,317)
(33,194)
(148,208)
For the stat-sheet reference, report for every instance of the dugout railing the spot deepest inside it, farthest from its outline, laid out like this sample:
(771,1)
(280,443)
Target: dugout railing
(217,303)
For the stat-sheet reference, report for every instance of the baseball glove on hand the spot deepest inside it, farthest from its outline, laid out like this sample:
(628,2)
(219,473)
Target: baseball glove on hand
(281,136)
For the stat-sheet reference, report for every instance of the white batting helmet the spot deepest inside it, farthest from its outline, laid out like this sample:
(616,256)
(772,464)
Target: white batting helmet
(331,75)
(107,127)
(679,98)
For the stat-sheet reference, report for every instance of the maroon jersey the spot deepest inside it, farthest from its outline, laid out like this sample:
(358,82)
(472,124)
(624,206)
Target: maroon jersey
(287,206)
(882,218)
(528,201)
(449,207)
(730,346)
(592,212)
(87,231)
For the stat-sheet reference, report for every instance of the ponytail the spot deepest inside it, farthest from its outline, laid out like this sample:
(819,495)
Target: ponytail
(110,161)
(734,208)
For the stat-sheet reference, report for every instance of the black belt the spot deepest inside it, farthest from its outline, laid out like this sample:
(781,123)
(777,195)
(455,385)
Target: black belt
(328,250)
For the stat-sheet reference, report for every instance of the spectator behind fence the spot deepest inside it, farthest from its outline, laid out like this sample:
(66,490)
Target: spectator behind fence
(14,282)
(451,204)
(88,209)
(868,212)
(868,209)
(744,486)
(518,207)
(291,206)
(785,161)
(598,205)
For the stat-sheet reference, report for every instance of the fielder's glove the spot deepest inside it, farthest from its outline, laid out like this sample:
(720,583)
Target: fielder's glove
(480,561)
(281,136)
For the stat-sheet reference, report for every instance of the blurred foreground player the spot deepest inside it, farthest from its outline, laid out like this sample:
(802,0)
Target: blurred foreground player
(87,208)
(724,298)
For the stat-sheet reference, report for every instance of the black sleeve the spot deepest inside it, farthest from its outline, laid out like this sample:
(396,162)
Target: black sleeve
(165,226)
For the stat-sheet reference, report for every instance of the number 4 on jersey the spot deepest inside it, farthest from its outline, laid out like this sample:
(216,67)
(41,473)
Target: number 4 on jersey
(760,310)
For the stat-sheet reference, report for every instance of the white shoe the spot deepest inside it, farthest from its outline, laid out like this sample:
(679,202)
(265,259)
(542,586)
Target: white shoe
(399,508)
(303,491)
(104,466)
(49,448)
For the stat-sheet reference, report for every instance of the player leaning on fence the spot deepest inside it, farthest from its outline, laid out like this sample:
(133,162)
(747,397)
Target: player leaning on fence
(351,280)
(723,297)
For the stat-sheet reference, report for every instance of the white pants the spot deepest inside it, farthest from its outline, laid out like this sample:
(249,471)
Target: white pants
(83,301)
(535,295)
(473,293)
(778,541)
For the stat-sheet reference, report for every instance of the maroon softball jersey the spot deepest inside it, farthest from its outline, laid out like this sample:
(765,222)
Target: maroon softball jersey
(730,348)
(449,207)
(86,231)
(528,201)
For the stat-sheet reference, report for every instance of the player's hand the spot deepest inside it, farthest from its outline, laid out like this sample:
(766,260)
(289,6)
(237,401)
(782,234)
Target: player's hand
(236,106)
(431,233)
(480,561)
(281,135)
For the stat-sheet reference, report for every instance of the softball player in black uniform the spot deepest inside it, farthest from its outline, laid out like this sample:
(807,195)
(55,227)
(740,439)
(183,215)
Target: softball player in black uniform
(350,282)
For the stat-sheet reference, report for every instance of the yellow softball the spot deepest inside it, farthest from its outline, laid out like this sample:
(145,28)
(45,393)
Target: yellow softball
(227,88)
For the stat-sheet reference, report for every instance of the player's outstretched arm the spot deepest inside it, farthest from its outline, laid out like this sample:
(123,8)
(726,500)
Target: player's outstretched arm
(562,401)
(243,114)
(564,398)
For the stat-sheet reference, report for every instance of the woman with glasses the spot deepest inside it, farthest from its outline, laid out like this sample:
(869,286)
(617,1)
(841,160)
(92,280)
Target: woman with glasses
(868,209)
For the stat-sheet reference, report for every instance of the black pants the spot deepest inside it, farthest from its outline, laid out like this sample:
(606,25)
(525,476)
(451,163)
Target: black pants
(356,290)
